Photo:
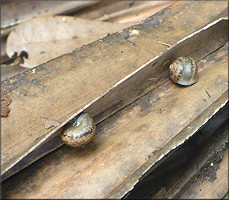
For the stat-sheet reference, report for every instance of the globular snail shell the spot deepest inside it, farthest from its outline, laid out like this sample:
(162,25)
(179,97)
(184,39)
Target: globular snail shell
(184,71)
(80,132)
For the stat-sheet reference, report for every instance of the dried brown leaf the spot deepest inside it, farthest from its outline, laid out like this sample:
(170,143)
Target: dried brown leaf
(48,123)
(45,38)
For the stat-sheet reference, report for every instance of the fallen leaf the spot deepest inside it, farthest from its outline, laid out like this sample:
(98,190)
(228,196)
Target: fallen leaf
(45,38)
(48,123)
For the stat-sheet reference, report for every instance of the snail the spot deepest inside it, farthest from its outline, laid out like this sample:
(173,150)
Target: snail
(184,71)
(80,132)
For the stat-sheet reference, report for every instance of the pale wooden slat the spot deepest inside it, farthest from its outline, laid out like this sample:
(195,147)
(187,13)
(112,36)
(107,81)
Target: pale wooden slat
(63,87)
(128,143)
(210,189)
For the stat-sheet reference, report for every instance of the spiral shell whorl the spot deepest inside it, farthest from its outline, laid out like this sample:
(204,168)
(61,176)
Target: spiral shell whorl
(184,71)
(80,132)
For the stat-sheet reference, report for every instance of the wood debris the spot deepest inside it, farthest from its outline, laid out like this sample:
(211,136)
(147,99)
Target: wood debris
(48,123)
(5,102)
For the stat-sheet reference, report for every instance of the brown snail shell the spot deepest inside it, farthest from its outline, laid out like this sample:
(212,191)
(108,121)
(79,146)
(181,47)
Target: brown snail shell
(183,71)
(80,132)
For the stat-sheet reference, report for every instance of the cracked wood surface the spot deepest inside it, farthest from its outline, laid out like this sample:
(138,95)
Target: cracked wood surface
(128,143)
(60,89)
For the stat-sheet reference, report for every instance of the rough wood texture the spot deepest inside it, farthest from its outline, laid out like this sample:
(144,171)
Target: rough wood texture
(203,188)
(63,87)
(203,173)
(128,143)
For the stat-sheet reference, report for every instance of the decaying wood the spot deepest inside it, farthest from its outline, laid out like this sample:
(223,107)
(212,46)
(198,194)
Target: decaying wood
(204,172)
(174,165)
(190,128)
(206,187)
(63,87)
(128,143)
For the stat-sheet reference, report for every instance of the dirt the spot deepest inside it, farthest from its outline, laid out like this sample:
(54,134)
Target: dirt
(209,171)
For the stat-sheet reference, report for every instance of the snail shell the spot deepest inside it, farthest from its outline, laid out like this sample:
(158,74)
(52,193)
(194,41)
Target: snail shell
(80,132)
(184,71)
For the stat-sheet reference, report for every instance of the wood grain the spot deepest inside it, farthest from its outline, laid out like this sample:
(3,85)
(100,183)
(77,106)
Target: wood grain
(214,189)
(62,88)
(202,170)
(127,144)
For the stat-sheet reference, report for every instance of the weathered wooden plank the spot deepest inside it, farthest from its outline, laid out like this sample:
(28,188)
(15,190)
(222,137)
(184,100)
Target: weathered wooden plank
(138,10)
(128,143)
(172,167)
(63,87)
(200,175)
(189,130)
(211,186)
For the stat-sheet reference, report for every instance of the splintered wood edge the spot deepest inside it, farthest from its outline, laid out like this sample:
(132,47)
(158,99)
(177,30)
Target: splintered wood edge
(53,131)
(181,137)
(213,145)
(57,128)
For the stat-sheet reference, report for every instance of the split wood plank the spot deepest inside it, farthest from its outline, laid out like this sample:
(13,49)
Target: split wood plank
(63,87)
(204,176)
(184,185)
(127,143)
(138,81)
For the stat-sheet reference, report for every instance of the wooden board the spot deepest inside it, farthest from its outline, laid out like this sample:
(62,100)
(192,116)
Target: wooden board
(128,143)
(205,187)
(63,87)
(205,175)
(177,169)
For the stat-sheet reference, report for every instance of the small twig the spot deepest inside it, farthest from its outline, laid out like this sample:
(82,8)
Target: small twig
(129,40)
(13,62)
(208,93)
(164,44)
(224,61)
(152,79)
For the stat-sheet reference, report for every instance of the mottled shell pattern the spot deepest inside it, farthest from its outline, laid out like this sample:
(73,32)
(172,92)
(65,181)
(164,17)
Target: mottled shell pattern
(184,71)
(80,132)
